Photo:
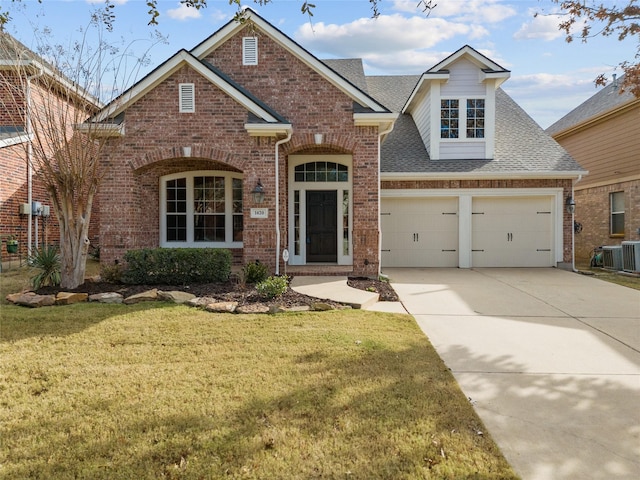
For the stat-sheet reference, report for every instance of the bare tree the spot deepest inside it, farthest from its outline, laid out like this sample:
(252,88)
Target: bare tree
(52,99)
(586,19)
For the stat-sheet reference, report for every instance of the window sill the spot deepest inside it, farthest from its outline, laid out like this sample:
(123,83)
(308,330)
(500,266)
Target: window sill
(617,235)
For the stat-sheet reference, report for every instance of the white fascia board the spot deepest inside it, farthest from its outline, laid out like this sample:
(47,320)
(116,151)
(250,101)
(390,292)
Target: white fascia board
(499,77)
(292,47)
(476,56)
(102,130)
(385,120)
(268,129)
(423,84)
(18,139)
(479,175)
(170,67)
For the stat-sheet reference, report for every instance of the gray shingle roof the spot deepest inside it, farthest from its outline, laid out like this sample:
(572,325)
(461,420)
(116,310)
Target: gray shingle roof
(606,99)
(349,68)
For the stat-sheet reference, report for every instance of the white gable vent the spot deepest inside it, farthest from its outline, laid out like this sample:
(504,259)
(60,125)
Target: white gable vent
(250,51)
(187,98)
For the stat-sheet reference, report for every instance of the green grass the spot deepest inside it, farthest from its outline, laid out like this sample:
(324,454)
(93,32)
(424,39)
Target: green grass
(155,391)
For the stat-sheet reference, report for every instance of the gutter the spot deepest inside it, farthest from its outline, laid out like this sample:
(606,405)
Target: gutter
(380,135)
(278,143)
(30,157)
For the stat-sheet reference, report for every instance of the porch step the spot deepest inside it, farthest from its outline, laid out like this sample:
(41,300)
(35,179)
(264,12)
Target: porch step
(333,288)
(318,270)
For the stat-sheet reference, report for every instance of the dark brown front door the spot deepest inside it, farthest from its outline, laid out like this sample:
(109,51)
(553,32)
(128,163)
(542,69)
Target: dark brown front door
(322,225)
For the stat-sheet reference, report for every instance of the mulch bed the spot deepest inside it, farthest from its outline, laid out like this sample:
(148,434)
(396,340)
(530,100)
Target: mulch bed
(229,291)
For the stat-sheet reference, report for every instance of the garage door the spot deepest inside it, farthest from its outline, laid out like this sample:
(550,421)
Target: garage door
(419,232)
(512,232)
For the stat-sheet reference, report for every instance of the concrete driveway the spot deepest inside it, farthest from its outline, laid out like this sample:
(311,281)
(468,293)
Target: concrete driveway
(549,358)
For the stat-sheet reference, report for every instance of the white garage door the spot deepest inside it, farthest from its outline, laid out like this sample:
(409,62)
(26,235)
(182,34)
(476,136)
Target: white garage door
(419,232)
(512,232)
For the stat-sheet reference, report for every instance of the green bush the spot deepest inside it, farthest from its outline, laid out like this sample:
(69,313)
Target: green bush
(273,287)
(47,260)
(255,272)
(111,273)
(176,266)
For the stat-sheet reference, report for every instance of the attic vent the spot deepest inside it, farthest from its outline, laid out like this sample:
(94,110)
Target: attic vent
(187,98)
(250,51)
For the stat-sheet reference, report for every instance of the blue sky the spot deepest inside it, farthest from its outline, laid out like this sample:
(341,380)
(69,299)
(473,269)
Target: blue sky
(549,77)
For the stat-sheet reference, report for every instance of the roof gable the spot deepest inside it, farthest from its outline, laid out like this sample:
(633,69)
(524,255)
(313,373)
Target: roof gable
(482,62)
(173,64)
(359,96)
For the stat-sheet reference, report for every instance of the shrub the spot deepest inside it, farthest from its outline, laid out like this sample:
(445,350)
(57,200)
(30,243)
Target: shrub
(255,272)
(273,287)
(47,260)
(111,273)
(176,266)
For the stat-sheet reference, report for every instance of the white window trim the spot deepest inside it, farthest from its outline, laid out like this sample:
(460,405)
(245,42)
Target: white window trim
(462,119)
(303,187)
(613,212)
(228,202)
(187,97)
(250,51)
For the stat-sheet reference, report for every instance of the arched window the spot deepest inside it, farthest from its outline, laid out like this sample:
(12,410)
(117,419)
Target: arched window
(321,172)
(201,209)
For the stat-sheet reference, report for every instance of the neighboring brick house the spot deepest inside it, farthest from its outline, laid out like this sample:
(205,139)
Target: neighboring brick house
(25,79)
(358,172)
(603,134)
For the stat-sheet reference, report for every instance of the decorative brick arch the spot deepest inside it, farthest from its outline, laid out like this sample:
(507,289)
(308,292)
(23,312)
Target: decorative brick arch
(338,143)
(201,151)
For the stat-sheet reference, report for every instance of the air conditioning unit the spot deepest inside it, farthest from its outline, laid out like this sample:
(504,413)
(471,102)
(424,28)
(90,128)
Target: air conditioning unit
(631,256)
(612,257)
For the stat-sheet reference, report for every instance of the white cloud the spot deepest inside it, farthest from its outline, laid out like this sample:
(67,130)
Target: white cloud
(183,12)
(388,34)
(116,2)
(541,27)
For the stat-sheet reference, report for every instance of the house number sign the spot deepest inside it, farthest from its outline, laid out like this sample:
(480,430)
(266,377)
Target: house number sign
(259,213)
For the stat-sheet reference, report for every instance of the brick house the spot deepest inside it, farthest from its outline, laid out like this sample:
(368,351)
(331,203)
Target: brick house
(603,134)
(27,84)
(358,172)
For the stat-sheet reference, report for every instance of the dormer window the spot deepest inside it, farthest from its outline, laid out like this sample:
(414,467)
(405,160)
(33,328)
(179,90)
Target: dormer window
(451,117)
(250,51)
(187,100)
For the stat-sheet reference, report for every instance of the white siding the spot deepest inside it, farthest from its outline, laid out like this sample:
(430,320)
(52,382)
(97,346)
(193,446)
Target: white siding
(421,116)
(462,150)
(464,81)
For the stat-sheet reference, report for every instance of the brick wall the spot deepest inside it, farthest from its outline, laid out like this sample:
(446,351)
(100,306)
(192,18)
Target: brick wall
(593,212)
(156,133)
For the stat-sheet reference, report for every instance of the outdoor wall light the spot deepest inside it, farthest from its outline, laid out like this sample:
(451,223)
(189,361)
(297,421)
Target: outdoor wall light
(258,192)
(570,205)
(317,138)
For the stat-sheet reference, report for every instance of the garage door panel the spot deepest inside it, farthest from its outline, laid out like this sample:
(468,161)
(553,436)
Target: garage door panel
(419,232)
(512,232)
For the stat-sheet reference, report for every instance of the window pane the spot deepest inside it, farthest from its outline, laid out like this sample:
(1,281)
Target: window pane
(209,228)
(176,228)
(616,200)
(449,116)
(475,118)
(237,228)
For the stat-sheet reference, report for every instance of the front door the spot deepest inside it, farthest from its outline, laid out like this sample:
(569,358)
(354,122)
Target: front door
(322,225)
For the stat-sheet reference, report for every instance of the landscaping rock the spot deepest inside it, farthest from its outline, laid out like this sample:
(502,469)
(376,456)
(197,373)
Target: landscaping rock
(253,308)
(69,298)
(30,299)
(221,307)
(148,296)
(175,296)
(200,302)
(13,297)
(321,306)
(107,297)
(277,309)
(299,308)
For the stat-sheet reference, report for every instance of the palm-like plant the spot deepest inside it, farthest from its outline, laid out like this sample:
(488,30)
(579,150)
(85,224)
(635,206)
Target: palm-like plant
(47,260)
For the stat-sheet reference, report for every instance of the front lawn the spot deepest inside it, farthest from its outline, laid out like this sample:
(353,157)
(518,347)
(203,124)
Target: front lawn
(154,391)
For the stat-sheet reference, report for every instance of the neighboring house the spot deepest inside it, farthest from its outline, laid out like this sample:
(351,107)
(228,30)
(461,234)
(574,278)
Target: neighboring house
(603,134)
(23,92)
(358,173)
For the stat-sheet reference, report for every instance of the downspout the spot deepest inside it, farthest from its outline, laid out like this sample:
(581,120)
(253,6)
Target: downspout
(380,134)
(278,143)
(573,228)
(30,158)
